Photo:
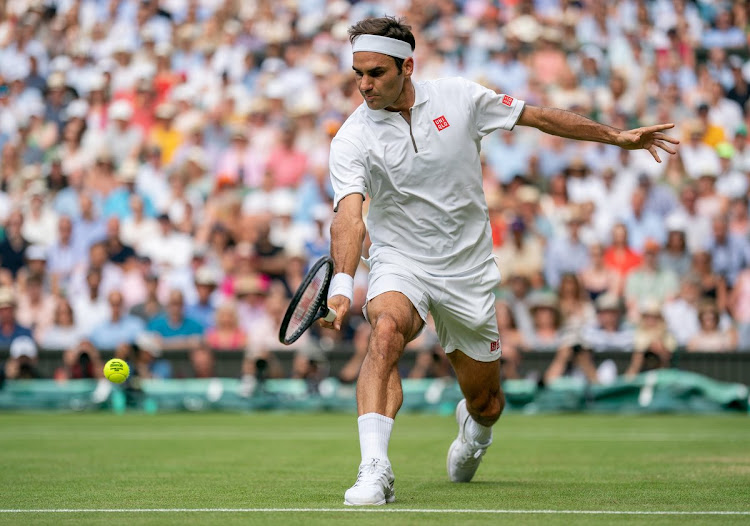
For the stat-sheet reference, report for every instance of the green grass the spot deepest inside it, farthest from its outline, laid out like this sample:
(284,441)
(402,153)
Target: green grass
(580,462)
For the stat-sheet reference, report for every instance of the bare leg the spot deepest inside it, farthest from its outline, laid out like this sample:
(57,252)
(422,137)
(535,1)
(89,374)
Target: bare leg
(480,384)
(394,322)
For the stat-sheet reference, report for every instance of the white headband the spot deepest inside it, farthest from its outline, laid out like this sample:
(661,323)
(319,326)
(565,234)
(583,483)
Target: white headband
(384,45)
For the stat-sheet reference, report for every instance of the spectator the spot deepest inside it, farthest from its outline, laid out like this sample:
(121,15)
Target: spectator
(64,255)
(697,156)
(35,308)
(226,334)
(675,256)
(522,254)
(610,332)
(169,249)
(91,307)
(251,292)
(730,253)
(649,281)
(566,254)
(203,309)
(203,362)
(545,315)
(597,278)
(138,228)
(642,226)
(22,362)
(119,328)
(710,337)
(653,345)
(40,221)
(175,330)
(118,201)
(81,361)
(285,162)
(10,329)
(687,218)
(713,287)
(13,247)
(88,227)
(63,333)
(575,308)
(723,34)
(111,274)
(151,307)
(117,252)
(262,340)
(681,313)
(619,257)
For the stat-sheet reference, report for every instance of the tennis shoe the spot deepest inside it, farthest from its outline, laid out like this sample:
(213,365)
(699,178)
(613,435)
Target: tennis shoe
(374,486)
(464,454)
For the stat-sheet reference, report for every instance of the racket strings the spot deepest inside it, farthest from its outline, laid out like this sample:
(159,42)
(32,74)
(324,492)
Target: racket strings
(308,305)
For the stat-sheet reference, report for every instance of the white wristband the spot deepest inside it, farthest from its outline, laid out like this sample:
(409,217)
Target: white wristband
(342,284)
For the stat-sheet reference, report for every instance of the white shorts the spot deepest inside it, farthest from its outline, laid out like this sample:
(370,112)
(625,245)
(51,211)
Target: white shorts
(462,305)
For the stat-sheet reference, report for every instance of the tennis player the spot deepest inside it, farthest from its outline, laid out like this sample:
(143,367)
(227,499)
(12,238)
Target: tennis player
(414,148)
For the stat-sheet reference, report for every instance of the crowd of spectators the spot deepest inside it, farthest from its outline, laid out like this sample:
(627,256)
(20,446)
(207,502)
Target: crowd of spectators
(164,185)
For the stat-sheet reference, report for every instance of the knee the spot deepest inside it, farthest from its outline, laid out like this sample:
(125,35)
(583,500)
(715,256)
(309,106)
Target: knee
(486,407)
(386,340)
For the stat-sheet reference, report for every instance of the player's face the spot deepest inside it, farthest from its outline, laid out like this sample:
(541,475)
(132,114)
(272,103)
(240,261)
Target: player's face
(379,80)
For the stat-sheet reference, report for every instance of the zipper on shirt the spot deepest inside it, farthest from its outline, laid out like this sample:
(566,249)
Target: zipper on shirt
(413,142)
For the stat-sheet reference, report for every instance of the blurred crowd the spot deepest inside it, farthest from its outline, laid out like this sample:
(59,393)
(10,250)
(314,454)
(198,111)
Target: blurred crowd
(164,181)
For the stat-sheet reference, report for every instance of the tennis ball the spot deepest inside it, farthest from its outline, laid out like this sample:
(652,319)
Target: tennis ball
(116,370)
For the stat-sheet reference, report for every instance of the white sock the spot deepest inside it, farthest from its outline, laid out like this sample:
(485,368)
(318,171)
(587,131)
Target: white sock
(374,435)
(478,433)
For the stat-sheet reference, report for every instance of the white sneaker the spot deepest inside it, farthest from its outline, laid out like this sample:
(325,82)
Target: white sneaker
(374,485)
(464,455)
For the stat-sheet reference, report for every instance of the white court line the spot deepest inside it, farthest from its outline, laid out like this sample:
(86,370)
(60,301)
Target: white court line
(375,510)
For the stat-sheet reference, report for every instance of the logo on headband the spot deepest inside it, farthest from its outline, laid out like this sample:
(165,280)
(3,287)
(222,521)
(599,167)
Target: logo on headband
(441,123)
(508,101)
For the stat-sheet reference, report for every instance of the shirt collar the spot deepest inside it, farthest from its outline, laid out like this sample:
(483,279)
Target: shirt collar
(420,97)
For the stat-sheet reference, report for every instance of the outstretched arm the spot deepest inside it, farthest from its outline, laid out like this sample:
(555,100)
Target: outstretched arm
(573,126)
(347,235)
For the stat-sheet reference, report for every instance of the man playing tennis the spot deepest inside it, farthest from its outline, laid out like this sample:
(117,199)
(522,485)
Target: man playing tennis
(414,148)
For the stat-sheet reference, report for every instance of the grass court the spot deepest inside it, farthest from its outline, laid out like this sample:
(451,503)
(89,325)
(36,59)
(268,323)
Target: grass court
(278,468)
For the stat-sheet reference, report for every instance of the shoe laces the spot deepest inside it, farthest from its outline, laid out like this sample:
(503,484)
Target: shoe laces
(471,451)
(368,471)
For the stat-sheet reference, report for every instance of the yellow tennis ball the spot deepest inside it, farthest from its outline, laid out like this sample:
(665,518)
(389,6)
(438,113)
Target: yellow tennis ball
(116,370)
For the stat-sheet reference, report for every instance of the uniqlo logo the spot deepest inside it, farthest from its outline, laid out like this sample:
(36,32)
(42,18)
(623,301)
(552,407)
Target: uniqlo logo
(441,123)
(508,101)
(495,346)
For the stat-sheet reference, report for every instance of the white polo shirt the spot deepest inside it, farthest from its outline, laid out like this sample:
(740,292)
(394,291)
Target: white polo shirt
(424,180)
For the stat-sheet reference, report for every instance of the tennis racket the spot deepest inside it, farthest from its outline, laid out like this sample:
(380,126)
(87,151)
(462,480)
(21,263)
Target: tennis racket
(309,302)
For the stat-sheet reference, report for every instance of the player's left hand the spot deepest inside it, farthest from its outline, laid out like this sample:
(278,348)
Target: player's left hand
(648,138)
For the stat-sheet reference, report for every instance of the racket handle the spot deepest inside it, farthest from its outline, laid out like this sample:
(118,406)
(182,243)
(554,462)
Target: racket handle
(330,315)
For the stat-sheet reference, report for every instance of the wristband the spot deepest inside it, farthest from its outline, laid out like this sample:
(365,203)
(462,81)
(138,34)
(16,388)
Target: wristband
(342,284)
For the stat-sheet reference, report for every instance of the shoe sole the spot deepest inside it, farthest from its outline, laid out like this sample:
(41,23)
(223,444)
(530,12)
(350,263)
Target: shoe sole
(390,499)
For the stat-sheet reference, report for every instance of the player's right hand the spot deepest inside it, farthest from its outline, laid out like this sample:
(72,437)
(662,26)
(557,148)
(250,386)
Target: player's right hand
(341,305)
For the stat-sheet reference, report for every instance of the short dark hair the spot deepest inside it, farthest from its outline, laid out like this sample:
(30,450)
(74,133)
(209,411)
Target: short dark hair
(385,26)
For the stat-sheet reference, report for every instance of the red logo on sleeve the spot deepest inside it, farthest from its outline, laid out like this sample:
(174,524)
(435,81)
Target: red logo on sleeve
(508,101)
(441,123)
(495,346)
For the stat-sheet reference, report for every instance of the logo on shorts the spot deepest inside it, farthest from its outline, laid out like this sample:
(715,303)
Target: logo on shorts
(495,346)
(441,123)
(507,100)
